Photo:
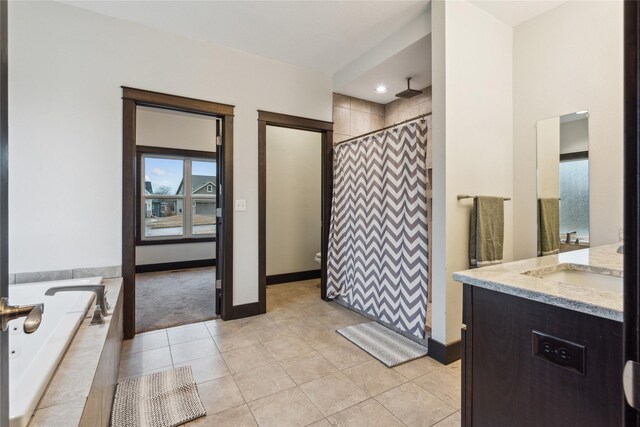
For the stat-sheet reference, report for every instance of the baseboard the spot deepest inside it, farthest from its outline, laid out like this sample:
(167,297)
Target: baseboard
(165,266)
(297,276)
(245,310)
(445,354)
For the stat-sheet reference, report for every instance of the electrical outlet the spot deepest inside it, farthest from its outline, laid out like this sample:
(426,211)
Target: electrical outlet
(241,205)
(566,354)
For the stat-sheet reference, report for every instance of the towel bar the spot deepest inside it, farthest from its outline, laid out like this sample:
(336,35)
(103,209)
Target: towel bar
(465,196)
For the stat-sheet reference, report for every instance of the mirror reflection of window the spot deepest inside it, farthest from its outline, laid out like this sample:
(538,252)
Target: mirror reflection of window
(574,181)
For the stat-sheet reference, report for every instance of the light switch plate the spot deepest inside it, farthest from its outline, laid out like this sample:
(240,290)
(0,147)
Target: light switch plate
(241,205)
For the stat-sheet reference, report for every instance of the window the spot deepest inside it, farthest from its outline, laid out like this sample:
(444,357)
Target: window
(178,198)
(574,198)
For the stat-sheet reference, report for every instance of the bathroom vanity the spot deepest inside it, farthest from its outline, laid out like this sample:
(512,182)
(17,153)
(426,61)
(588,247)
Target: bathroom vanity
(542,341)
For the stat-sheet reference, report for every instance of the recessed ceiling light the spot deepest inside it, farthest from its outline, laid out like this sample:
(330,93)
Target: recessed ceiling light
(381,89)
(582,112)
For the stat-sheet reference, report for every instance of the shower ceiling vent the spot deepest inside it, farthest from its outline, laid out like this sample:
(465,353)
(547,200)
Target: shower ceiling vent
(409,93)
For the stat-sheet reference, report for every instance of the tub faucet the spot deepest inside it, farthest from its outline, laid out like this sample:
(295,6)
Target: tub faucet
(102,306)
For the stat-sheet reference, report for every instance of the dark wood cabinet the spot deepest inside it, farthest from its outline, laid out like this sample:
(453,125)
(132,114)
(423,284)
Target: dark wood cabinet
(507,382)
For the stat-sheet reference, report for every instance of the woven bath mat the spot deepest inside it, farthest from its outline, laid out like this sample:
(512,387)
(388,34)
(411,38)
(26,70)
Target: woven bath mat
(387,346)
(164,399)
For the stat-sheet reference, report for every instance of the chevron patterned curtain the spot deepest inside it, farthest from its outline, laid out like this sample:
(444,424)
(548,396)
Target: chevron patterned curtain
(377,258)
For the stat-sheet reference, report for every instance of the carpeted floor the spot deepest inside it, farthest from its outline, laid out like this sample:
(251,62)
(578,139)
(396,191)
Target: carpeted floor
(171,298)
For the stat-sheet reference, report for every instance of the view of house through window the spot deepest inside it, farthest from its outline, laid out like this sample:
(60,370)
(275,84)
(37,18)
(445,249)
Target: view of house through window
(164,197)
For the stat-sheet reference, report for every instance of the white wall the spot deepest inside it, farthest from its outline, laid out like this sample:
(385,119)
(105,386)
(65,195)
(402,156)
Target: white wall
(548,157)
(157,127)
(472,142)
(574,136)
(566,60)
(65,128)
(294,179)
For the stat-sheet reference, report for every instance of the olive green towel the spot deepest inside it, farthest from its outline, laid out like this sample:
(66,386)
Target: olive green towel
(486,235)
(548,226)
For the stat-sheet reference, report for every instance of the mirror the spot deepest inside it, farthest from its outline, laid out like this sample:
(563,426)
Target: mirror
(563,183)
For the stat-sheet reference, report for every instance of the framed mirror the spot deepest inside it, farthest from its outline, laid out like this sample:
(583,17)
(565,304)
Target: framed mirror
(563,183)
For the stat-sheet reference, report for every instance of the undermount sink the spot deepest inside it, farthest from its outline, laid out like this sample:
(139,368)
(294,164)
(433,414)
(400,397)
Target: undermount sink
(603,279)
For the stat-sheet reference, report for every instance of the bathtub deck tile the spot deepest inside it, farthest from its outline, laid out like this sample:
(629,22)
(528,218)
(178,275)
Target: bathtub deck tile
(73,378)
(58,415)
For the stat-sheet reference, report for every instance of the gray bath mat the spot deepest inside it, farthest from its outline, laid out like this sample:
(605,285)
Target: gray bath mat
(388,347)
(164,399)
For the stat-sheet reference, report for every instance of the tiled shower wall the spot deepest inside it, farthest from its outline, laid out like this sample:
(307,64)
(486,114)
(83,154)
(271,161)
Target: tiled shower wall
(353,116)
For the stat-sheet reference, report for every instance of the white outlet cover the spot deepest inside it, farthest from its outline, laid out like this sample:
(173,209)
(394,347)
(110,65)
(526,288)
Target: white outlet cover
(241,205)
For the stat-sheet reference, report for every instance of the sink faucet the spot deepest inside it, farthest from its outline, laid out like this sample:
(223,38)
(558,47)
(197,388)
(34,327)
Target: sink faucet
(567,240)
(102,306)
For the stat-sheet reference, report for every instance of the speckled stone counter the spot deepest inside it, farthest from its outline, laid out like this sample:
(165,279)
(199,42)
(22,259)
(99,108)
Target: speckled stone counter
(81,390)
(510,279)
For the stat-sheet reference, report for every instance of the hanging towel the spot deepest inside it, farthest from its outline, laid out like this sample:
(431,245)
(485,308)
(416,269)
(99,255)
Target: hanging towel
(548,226)
(486,234)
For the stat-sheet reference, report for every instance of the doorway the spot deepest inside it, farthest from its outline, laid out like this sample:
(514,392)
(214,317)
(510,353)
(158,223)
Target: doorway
(315,139)
(176,202)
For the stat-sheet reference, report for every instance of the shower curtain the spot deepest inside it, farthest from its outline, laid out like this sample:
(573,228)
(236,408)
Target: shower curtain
(377,256)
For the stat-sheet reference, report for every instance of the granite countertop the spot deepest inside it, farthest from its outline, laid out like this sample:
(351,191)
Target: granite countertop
(509,279)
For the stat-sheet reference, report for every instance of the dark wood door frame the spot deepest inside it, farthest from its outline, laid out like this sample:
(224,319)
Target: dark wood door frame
(631,328)
(131,98)
(265,119)
(4,211)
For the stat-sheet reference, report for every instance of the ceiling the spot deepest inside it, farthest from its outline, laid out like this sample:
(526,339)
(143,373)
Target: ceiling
(414,61)
(515,12)
(323,35)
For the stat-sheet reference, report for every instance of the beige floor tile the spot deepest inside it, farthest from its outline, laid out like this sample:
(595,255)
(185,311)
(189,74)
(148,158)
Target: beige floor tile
(263,381)
(345,355)
(207,368)
(246,358)
(289,408)
(417,368)
(220,394)
(193,350)
(451,421)
(369,413)
(375,378)
(323,338)
(307,367)
(333,393)
(287,348)
(146,341)
(444,384)
(145,361)
(272,333)
(125,376)
(321,423)
(218,326)
(240,416)
(414,406)
(186,333)
(234,340)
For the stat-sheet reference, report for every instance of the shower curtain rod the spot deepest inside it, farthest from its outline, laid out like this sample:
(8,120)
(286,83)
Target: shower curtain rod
(421,116)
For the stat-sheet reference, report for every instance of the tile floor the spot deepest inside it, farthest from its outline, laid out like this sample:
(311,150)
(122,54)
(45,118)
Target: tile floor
(290,368)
